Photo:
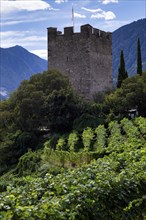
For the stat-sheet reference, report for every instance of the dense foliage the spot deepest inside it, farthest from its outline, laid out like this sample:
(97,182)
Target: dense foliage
(62,158)
(132,94)
(111,187)
(44,103)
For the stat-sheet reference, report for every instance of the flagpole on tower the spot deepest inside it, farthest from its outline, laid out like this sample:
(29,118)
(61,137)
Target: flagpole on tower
(73,22)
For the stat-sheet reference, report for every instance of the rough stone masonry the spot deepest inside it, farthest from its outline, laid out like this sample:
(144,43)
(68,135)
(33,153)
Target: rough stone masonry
(85,57)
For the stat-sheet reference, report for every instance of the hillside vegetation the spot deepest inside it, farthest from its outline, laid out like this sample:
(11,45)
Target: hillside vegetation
(112,186)
(63,158)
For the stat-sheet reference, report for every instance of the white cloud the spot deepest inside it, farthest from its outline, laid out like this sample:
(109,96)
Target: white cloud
(8,6)
(107,15)
(60,1)
(105,2)
(100,14)
(15,34)
(40,53)
(26,39)
(24,20)
(77,15)
(112,25)
(91,10)
(22,38)
(3,92)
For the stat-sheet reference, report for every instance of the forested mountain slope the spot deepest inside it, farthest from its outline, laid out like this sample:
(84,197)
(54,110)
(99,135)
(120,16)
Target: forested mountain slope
(16,65)
(125,38)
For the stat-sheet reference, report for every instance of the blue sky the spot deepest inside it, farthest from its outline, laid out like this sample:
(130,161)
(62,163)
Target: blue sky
(25,22)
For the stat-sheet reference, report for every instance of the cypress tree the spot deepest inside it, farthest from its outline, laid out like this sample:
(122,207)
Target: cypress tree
(122,73)
(139,61)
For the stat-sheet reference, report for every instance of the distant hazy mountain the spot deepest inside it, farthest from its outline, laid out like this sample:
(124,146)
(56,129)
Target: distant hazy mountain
(125,38)
(17,64)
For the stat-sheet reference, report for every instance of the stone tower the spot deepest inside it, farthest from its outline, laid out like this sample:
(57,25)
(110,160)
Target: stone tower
(85,57)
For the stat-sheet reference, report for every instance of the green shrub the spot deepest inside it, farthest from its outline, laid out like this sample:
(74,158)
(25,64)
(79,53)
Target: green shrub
(29,163)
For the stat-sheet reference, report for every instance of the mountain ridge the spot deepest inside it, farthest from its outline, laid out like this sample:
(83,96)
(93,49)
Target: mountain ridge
(18,64)
(125,38)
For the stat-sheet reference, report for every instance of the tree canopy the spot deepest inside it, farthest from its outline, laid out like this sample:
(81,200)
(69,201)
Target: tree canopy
(46,100)
(132,94)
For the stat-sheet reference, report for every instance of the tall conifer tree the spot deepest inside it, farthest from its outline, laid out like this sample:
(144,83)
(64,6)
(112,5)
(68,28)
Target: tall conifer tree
(139,60)
(122,73)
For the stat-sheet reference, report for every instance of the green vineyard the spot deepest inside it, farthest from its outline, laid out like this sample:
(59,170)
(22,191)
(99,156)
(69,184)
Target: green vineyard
(99,174)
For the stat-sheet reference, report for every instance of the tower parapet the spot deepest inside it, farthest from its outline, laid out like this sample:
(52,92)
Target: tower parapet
(68,31)
(52,33)
(86,57)
(86,31)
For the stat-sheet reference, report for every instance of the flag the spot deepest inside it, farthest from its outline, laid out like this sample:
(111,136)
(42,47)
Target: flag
(73,15)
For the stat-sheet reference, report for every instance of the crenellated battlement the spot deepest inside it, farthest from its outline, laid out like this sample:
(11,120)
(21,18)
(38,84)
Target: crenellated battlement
(86,31)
